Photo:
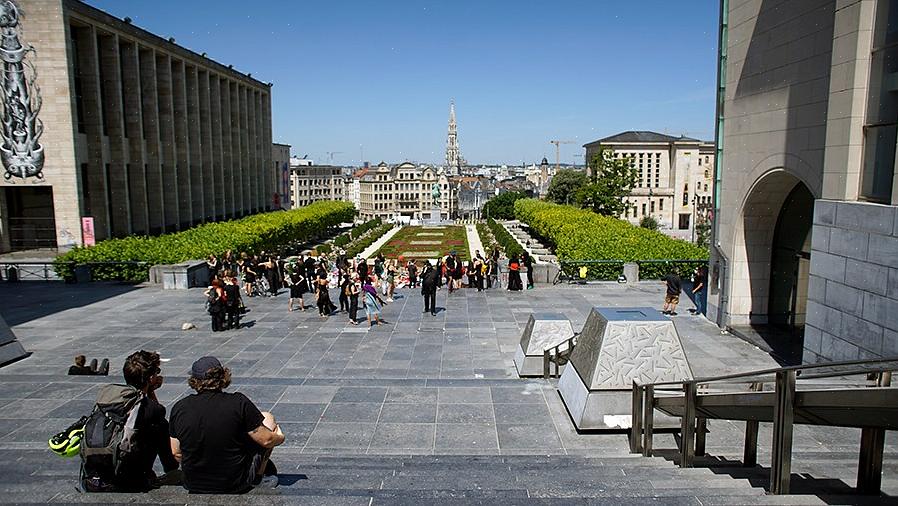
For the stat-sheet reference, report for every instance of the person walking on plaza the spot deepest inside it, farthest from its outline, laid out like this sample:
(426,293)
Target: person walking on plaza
(222,440)
(527,263)
(322,296)
(412,274)
(429,283)
(355,288)
(373,303)
(345,281)
(672,296)
(232,301)
(699,289)
(297,283)
(215,302)
(477,267)
(514,274)
(390,275)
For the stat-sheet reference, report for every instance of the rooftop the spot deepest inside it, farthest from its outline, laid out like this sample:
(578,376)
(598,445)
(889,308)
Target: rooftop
(641,136)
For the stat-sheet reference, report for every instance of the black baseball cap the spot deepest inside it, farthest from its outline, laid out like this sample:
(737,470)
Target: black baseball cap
(199,368)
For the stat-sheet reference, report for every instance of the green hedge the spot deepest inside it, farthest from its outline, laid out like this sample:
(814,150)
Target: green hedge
(253,233)
(360,230)
(360,245)
(508,243)
(579,234)
(486,238)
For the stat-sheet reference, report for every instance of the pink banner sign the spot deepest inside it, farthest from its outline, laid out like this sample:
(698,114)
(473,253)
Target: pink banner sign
(87,231)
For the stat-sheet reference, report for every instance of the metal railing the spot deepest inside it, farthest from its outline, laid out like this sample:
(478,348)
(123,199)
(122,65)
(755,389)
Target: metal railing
(558,355)
(14,271)
(693,426)
(582,271)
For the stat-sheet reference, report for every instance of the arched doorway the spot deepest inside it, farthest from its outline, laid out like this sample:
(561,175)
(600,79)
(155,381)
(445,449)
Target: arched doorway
(790,260)
(768,295)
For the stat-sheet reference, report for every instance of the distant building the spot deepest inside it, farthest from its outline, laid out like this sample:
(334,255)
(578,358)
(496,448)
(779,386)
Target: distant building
(454,161)
(540,175)
(676,178)
(403,192)
(516,184)
(473,193)
(353,190)
(312,183)
(140,135)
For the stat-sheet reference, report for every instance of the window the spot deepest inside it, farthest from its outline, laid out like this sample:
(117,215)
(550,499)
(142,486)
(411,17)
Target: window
(661,205)
(686,195)
(684,222)
(643,208)
(881,127)
(652,206)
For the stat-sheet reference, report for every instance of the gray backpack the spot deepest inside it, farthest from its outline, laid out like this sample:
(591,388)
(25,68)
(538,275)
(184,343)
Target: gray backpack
(109,436)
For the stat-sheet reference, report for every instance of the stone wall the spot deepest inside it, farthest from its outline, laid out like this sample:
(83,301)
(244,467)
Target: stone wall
(853,287)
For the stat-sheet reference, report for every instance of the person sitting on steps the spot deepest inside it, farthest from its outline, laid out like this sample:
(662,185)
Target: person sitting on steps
(222,440)
(79,369)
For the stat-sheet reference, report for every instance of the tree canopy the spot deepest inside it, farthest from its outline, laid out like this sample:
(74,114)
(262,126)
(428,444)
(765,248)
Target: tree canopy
(564,186)
(610,182)
(501,207)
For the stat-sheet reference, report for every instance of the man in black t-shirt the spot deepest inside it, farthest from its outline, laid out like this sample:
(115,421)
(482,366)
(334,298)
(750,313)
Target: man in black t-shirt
(221,439)
(672,296)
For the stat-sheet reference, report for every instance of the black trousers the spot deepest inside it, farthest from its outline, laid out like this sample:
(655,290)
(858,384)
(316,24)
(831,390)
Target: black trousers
(430,302)
(344,301)
(217,319)
(353,306)
(233,317)
(530,278)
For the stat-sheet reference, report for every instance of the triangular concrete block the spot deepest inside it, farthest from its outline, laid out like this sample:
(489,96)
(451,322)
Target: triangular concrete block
(10,347)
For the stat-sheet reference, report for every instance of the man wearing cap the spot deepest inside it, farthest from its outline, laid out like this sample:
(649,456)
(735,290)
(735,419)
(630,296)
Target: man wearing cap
(221,439)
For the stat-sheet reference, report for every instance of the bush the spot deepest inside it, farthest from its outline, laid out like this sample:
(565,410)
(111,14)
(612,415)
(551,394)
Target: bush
(486,238)
(649,223)
(508,243)
(360,230)
(323,249)
(342,240)
(501,207)
(580,235)
(267,231)
(357,247)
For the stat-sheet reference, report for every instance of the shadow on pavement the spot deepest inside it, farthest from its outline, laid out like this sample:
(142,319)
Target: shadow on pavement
(29,300)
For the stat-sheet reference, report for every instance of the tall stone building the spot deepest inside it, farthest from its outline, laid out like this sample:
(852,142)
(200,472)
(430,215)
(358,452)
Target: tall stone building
(676,178)
(139,134)
(806,222)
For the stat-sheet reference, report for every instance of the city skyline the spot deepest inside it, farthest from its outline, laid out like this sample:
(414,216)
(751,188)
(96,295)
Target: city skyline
(358,81)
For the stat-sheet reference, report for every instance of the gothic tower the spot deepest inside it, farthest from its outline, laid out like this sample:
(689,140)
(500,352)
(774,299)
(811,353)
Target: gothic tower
(453,157)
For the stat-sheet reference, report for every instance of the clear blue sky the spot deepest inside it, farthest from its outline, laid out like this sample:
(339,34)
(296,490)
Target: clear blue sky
(380,74)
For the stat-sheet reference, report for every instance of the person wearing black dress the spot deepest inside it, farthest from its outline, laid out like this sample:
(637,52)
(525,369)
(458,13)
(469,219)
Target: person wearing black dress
(514,274)
(325,306)
(527,262)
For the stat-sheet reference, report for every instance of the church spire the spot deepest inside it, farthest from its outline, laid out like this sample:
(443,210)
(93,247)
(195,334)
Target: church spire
(453,158)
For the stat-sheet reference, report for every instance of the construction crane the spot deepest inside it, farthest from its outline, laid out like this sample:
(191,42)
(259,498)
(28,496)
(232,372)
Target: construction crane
(330,155)
(558,152)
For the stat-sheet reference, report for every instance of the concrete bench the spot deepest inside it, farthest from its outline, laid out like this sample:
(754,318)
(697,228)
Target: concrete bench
(190,274)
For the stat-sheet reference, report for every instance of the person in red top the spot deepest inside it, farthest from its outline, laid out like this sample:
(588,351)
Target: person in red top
(216,300)
(514,274)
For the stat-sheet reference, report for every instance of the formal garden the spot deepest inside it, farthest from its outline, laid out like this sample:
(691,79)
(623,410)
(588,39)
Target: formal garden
(422,243)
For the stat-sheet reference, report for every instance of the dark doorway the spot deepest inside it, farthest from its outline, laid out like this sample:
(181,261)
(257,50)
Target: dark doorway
(31,221)
(790,260)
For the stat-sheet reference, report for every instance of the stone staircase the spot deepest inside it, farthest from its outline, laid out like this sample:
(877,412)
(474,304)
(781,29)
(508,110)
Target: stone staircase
(434,479)
(539,251)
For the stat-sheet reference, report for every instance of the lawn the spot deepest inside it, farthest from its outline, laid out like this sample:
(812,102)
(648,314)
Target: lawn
(419,243)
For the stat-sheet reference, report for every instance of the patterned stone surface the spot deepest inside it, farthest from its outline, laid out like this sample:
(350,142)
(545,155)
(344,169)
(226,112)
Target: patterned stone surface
(544,331)
(429,234)
(644,347)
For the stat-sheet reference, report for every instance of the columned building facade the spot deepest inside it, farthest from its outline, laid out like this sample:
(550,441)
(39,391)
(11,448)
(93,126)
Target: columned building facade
(805,236)
(675,178)
(141,136)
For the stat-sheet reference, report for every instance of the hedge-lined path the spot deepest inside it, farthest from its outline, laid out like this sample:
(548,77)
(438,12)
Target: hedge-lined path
(370,251)
(418,385)
(474,243)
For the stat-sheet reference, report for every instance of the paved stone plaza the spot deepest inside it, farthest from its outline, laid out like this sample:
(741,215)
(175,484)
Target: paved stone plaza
(418,388)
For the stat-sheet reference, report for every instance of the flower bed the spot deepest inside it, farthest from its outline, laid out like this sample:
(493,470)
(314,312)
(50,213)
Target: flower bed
(579,234)
(252,234)
(419,243)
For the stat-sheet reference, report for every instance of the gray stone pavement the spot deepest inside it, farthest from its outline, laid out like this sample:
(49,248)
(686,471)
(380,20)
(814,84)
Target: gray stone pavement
(419,384)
